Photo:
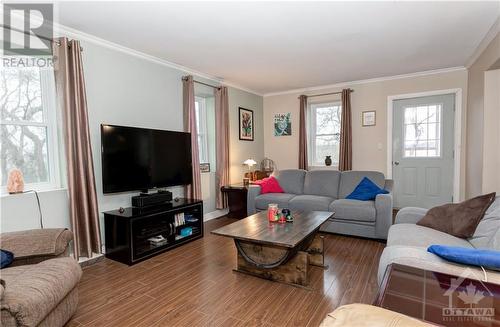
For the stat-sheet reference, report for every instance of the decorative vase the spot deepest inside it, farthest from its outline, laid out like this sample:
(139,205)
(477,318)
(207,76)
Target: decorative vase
(272,212)
(328,160)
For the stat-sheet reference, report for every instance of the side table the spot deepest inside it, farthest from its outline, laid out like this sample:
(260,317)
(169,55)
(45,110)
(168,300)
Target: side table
(237,199)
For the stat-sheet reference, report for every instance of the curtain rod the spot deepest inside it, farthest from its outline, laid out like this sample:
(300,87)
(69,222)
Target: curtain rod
(184,78)
(322,94)
(39,36)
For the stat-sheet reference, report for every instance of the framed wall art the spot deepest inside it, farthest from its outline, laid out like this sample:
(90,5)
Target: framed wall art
(368,118)
(282,124)
(246,124)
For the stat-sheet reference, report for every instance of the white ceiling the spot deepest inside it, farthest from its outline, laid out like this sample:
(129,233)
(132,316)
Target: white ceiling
(277,46)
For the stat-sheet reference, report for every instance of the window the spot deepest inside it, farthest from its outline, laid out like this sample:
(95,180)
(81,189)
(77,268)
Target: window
(27,126)
(324,133)
(200,107)
(422,131)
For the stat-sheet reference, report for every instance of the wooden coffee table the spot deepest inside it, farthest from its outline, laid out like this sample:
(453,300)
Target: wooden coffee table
(280,252)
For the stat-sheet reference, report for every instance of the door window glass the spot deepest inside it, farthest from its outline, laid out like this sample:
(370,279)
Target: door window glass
(422,131)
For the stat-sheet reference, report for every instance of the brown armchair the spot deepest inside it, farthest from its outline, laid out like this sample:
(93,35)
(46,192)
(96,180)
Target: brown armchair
(40,286)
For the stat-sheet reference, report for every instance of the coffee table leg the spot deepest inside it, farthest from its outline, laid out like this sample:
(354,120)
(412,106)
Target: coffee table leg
(316,251)
(295,271)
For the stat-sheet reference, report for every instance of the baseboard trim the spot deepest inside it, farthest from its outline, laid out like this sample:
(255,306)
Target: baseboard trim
(90,261)
(215,214)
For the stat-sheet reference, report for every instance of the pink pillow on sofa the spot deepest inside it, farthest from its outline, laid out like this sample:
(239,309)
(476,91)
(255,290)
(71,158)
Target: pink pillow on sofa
(269,185)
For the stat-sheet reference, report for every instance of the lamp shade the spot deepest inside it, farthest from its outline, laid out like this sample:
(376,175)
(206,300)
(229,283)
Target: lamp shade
(249,162)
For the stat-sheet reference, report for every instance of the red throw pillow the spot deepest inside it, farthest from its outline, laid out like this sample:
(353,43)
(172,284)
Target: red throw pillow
(269,185)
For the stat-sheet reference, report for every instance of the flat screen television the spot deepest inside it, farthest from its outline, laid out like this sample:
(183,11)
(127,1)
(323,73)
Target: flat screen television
(141,159)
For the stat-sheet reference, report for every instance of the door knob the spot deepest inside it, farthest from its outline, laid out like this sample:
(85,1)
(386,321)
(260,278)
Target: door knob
(396,163)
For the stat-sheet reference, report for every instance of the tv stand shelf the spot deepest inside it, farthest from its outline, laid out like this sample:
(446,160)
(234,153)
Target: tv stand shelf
(127,232)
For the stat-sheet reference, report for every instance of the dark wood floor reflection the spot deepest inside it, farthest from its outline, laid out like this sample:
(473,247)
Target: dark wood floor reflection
(194,285)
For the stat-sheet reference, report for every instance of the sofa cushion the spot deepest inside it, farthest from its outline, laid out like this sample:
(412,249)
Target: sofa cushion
(269,185)
(33,291)
(322,182)
(310,202)
(420,236)
(281,199)
(475,257)
(291,180)
(487,234)
(418,257)
(6,258)
(365,315)
(353,210)
(458,219)
(350,179)
(366,190)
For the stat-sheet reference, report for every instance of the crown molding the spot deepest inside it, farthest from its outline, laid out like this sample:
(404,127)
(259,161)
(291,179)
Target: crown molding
(62,30)
(492,33)
(365,81)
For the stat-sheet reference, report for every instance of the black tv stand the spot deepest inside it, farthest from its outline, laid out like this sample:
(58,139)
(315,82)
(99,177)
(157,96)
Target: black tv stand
(127,232)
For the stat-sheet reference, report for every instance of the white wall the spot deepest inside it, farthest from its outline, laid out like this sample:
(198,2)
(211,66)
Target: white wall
(242,150)
(475,115)
(126,90)
(491,132)
(369,143)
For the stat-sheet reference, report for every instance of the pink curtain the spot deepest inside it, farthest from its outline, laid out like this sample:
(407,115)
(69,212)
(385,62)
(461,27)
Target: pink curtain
(303,159)
(345,157)
(194,189)
(222,140)
(72,100)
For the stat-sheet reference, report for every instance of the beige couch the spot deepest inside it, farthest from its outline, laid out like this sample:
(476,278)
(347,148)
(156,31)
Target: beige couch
(364,315)
(40,287)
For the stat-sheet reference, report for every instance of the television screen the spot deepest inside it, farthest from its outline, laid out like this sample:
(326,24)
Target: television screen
(141,159)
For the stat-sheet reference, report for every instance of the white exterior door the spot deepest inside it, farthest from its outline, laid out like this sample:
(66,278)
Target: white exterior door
(423,151)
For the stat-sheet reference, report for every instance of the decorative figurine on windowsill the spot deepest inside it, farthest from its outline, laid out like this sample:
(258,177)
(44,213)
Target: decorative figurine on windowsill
(15,182)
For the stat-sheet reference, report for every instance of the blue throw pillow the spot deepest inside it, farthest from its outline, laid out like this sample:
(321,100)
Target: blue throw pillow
(6,258)
(366,190)
(475,257)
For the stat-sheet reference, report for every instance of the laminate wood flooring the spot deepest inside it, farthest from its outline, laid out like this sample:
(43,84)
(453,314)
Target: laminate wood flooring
(194,285)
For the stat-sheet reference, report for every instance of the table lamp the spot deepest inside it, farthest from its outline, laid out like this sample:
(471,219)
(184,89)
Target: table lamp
(249,163)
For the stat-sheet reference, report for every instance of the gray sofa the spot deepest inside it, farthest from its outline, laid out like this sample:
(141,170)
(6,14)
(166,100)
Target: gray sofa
(407,244)
(325,190)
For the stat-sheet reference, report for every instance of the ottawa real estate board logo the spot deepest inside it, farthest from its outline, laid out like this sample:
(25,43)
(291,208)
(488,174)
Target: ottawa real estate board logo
(27,34)
(469,300)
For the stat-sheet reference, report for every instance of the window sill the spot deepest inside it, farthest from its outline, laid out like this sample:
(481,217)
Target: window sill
(7,195)
(317,167)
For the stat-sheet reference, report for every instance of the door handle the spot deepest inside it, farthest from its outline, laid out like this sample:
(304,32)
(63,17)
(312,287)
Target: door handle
(396,163)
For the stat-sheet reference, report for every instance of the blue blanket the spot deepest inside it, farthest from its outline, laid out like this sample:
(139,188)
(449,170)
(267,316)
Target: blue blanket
(475,257)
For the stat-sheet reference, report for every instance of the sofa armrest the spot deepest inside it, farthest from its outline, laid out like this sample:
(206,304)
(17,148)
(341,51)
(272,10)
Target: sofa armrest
(410,215)
(37,245)
(389,184)
(383,206)
(253,191)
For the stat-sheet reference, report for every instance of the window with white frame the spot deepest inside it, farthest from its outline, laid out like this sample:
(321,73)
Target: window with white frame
(324,132)
(28,126)
(200,106)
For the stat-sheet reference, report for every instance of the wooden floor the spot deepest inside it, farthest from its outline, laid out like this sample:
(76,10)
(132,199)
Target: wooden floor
(194,285)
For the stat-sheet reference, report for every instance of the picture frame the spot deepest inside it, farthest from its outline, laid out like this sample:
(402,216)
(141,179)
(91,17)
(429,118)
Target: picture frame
(368,118)
(246,124)
(282,124)
(205,167)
